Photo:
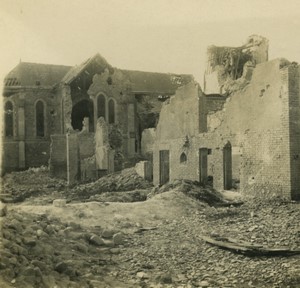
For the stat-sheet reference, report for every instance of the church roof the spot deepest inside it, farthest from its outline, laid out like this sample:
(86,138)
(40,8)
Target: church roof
(35,74)
(46,75)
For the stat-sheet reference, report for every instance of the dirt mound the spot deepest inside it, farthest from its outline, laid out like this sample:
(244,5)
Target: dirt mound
(193,189)
(126,180)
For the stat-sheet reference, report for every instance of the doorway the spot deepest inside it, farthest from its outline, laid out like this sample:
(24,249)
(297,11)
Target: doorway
(203,152)
(227,166)
(164,166)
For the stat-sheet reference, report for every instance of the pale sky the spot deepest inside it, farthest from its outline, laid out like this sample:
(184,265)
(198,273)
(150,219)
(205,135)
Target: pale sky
(148,35)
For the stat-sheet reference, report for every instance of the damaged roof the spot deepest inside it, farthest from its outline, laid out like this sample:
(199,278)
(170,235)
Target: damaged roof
(33,74)
(156,82)
(75,71)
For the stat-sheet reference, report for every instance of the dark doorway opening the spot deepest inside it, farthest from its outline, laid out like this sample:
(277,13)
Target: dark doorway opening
(164,167)
(83,109)
(227,166)
(203,152)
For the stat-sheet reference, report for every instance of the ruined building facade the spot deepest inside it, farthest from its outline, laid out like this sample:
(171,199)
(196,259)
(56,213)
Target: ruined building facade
(246,135)
(52,114)
(241,131)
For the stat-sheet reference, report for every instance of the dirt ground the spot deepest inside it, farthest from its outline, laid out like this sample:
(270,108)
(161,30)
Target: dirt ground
(145,237)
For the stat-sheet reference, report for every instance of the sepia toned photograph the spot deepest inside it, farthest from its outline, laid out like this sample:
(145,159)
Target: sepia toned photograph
(150,144)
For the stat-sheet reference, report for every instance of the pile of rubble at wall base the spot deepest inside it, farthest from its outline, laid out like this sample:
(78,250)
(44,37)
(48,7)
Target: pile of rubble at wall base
(18,186)
(126,180)
(193,189)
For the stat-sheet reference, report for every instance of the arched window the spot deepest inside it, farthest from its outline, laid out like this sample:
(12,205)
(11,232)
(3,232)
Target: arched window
(9,119)
(101,106)
(40,119)
(183,158)
(111,111)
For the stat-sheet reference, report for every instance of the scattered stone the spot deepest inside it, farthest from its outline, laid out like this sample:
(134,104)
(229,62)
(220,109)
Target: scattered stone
(40,233)
(142,275)
(3,209)
(108,233)
(96,240)
(29,241)
(204,284)
(166,279)
(118,238)
(59,202)
(61,267)
(81,247)
(16,225)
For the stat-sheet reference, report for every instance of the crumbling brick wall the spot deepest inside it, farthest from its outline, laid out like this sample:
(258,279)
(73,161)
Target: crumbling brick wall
(256,120)
(294,127)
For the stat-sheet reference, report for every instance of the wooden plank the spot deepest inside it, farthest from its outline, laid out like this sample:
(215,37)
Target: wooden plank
(247,247)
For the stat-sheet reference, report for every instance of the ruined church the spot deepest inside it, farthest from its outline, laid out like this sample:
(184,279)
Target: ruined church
(241,131)
(52,112)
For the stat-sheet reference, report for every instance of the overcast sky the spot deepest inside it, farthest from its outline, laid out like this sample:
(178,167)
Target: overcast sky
(148,35)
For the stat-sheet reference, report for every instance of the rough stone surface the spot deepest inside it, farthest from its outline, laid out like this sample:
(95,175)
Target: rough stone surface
(118,238)
(60,202)
(3,209)
(96,240)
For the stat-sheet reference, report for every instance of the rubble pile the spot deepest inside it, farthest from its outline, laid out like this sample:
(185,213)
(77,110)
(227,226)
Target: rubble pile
(36,186)
(155,243)
(18,186)
(125,196)
(192,189)
(174,255)
(127,180)
(40,251)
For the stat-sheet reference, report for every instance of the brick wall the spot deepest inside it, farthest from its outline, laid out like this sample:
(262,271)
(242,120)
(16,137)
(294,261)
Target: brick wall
(255,121)
(294,129)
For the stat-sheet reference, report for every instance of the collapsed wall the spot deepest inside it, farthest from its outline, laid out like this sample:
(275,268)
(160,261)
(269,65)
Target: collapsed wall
(259,124)
(225,65)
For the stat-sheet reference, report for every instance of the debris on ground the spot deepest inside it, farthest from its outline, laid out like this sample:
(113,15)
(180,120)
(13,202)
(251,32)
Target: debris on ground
(248,248)
(36,185)
(48,240)
(194,189)
(126,180)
